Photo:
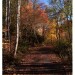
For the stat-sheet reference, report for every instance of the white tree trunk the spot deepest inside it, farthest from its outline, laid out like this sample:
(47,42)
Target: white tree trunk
(18,24)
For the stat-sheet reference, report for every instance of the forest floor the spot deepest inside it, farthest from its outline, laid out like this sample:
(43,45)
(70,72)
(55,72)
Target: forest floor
(44,59)
(41,61)
(43,54)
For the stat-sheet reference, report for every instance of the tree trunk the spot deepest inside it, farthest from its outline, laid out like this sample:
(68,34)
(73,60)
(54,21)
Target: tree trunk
(7,33)
(57,32)
(43,33)
(69,31)
(6,20)
(18,24)
(9,23)
(35,35)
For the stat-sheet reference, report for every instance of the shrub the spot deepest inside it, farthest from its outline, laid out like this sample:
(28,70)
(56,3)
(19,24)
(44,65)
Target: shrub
(64,49)
(9,60)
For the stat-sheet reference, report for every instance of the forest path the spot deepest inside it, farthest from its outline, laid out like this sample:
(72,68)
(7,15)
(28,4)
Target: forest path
(42,54)
(42,50)
(44,60)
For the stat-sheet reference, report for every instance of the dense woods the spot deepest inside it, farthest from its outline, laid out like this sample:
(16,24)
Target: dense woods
(33,25)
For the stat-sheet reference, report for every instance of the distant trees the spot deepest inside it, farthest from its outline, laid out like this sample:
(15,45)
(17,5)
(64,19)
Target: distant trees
(31,17)
(63,15)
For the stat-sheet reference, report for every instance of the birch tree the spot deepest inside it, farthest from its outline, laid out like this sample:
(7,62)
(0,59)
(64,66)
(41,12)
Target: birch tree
(18,24)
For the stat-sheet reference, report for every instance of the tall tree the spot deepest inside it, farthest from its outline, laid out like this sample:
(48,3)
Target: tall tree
(9,25)
(68,13)
(6,18)
(18,24)
(7,34)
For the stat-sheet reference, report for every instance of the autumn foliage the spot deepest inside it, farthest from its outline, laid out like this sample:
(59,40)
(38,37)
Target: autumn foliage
(33,16)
